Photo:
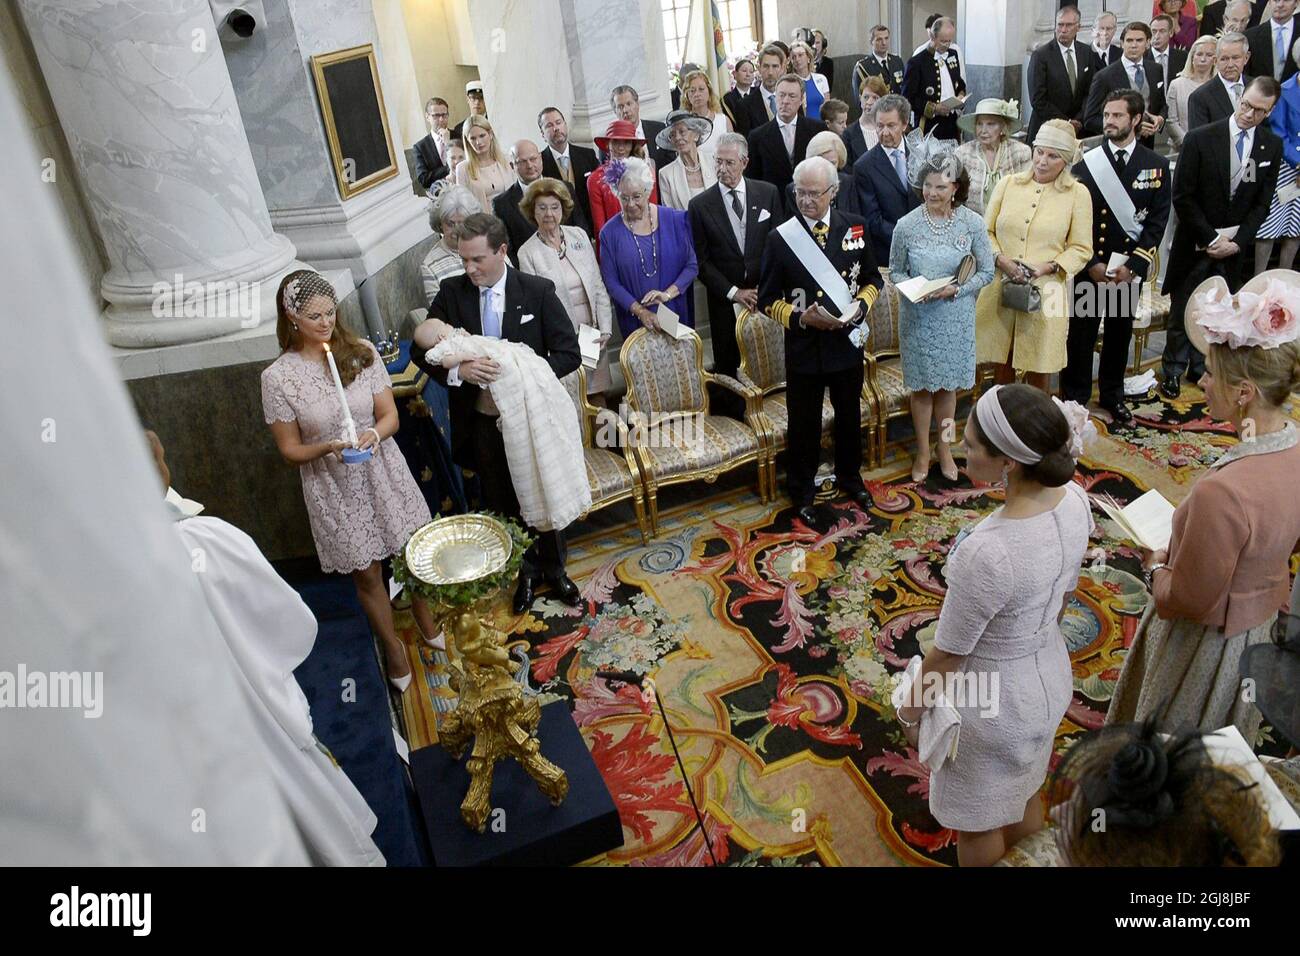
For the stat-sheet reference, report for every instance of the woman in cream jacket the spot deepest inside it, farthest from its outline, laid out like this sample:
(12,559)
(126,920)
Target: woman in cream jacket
(564,254)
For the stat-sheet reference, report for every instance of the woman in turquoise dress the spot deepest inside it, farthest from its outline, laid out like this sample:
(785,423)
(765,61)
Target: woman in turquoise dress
(937,335)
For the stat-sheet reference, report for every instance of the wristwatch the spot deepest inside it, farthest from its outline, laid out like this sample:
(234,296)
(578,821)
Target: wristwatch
(1150,572)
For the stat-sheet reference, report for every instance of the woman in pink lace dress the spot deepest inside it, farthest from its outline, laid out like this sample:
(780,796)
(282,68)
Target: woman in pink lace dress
(360,513)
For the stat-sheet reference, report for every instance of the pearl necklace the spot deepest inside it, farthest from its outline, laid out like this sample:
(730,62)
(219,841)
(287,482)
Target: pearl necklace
(688,167)
(939,231)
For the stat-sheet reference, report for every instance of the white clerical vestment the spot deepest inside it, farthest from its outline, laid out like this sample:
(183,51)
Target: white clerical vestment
(269,631)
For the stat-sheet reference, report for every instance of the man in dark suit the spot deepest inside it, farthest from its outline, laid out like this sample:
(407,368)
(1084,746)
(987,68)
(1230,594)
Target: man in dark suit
(495,300)
(1230,16)
(431,151)
(1224,178)
(568,163)
(880,62)
(1060,76)
(1131,198)
(777,147)
(1104,50)
(526,161)
(823,349)
(1217,98)
(1135,70)
(885,194)
(626,103)
(476,103)
(762,95)
(1272,43)
(736,100)
(1170,60)
(730,224)
(932,77)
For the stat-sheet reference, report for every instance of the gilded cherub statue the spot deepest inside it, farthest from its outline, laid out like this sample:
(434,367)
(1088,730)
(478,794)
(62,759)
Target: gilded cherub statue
(495,713)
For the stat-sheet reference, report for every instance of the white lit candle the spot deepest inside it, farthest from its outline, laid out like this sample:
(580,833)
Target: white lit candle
(349,428)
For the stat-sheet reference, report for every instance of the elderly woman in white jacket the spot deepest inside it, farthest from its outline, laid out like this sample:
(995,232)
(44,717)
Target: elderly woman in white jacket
(693,171)
(564,255)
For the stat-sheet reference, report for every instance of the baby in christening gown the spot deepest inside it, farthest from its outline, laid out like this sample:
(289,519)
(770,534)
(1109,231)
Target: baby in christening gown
(539,425)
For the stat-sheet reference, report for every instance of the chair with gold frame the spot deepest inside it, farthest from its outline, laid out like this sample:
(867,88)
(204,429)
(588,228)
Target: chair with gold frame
(761,341)
(675,437)
(613,473)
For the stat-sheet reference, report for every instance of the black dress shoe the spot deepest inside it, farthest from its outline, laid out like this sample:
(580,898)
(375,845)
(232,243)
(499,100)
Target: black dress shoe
(524,594)
(1119,411)
(808,515)
(1170,386)
(862,498)
(565,590)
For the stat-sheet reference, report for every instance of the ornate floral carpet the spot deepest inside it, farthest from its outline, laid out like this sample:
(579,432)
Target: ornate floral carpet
(771,644)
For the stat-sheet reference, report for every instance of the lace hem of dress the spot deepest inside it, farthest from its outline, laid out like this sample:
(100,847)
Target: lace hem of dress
(280,417)
(365,563)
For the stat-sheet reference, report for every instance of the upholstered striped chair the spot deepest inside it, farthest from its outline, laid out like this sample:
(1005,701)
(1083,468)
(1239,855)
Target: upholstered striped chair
(613,471)
(761,340)
(884,366)
(675,437)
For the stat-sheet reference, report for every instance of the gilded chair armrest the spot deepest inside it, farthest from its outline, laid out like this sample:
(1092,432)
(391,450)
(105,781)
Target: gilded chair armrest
(752,395)
(625,446)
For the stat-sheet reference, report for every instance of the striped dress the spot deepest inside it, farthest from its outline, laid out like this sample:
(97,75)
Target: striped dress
(1284,218)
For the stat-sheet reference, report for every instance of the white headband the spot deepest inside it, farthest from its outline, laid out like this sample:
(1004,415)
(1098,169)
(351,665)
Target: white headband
(996,428)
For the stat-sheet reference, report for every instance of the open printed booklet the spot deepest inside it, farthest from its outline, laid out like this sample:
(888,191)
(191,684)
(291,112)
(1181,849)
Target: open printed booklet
(1147,521)
(918,287)
(1227,748)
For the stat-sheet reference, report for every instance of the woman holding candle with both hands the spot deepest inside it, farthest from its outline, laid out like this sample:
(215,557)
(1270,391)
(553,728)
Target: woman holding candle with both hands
(361,512)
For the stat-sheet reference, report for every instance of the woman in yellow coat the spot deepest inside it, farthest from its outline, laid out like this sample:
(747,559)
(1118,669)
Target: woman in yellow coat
(1040,226)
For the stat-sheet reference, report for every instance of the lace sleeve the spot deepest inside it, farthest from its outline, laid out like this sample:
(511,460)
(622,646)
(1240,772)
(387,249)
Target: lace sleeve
(275,405)
(378,372)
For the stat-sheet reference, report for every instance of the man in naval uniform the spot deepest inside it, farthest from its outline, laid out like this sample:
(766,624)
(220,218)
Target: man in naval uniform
(879,62)
(1131,198)
(928,85)
(819,280)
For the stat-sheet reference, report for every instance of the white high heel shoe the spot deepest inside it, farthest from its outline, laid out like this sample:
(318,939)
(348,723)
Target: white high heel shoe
(401,683)
(439,643)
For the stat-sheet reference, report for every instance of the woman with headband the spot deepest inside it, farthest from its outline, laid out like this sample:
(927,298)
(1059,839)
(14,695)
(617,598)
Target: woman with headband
(360,513)
(999,638)
(1217,588)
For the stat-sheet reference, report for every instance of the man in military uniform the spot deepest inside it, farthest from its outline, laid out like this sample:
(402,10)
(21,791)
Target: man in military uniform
(819,280)
(932,78)
(879,62)
(1131,198)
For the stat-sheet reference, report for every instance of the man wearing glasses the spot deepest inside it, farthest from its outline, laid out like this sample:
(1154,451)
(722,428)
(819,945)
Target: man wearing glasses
(431,152)
(819,280)
(1223,181)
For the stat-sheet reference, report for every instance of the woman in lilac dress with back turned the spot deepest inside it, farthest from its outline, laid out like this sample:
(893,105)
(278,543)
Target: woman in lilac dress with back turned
(361,513)
(1009,580)
(647,256)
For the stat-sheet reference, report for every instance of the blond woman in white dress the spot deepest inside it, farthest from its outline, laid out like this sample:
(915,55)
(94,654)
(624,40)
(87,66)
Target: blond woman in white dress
(484,169)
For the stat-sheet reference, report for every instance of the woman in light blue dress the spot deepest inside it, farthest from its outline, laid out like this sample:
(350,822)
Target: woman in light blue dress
(937,335)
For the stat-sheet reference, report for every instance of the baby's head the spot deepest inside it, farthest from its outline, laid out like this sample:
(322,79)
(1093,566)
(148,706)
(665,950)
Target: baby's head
(441,329)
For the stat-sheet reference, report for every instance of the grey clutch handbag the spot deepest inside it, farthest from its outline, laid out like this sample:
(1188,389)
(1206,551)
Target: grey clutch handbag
(1021,296)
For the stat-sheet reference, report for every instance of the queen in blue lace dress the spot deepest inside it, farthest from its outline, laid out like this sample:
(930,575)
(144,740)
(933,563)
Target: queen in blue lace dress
(937,337)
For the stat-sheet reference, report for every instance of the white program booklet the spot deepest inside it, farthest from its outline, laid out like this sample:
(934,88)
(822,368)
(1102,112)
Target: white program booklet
(1147,521)
(1288,192)
(918,287)
(189,507)
(1227,748)
(589,345)
(670,322)
(1117,259)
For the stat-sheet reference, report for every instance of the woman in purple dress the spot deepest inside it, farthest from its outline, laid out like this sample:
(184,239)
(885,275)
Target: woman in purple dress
(647,256)
(361,513)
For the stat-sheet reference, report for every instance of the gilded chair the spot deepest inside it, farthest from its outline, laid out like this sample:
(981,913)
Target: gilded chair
(613,471)
(885,367)
(674,436)
(761,341)
(1152,313)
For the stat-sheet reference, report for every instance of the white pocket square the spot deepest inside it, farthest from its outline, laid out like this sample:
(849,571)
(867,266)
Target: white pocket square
(528,317)
(1269,163)
(764,215)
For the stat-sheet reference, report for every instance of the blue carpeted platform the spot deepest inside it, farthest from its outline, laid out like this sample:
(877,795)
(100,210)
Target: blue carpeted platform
(358,732)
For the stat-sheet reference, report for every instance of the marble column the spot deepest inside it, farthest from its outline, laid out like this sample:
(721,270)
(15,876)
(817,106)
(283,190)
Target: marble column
(273,82)
(996,37)
(144,98)
(609,43)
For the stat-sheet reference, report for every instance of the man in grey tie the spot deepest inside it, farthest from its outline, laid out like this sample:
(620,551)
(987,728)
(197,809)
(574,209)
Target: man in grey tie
(730,225)
(880,175)
(1218,97)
